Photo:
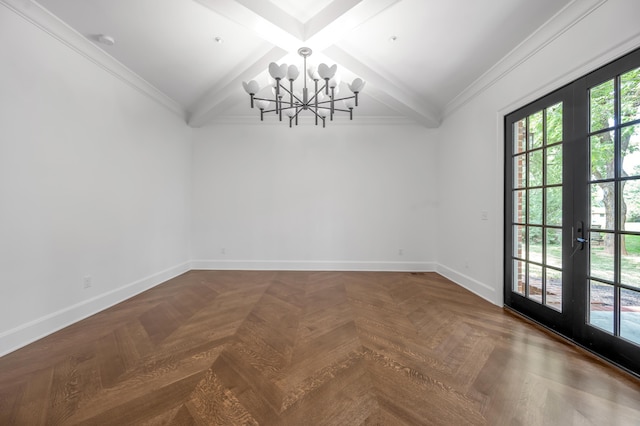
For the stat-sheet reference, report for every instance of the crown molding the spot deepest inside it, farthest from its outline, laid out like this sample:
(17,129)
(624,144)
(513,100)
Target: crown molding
(37,15)
(246,120)
(597,60)
(557,25)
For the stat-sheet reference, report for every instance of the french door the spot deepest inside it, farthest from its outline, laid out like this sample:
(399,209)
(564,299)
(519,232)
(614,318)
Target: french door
(572,204)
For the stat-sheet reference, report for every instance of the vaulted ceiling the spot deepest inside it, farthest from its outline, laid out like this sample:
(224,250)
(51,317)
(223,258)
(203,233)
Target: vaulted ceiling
(441,46)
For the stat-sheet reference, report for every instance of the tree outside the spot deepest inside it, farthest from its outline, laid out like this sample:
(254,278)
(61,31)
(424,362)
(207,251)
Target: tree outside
(602,116)
(545,168)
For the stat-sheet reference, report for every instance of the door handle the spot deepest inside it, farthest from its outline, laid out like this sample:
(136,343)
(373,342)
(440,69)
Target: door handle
(577,236)
(580,234)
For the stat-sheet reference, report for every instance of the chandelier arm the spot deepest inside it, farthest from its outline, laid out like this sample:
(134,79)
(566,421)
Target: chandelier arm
(345,98)
(292,105)
(328,101)
(315,112)
(264,99)
(315,96)
(312,99)
(296,114)
(295,105)
(332,101)
(291,94)
(317,91)
(275,101)
(278,85)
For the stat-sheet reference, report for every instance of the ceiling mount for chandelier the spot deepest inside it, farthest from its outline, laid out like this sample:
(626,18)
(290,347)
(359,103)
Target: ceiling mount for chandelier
(323,101)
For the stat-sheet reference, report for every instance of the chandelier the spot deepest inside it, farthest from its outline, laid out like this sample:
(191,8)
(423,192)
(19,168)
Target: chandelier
(322,103)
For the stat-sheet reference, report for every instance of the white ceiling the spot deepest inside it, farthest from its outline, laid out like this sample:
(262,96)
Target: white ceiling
(442,46)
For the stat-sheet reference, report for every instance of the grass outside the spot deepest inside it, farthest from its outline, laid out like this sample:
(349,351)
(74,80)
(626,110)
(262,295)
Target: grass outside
(601,262)
(633,246)
(601,299)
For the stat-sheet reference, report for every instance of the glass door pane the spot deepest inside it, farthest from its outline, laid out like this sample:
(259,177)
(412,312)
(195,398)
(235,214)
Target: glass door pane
(537,191)
(614,206)
(572,211)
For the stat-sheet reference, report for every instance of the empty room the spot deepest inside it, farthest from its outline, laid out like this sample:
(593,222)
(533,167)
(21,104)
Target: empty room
(319,212)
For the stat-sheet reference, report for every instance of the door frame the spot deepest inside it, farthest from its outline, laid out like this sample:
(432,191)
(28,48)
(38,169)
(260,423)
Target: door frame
(572,322)
(561,322)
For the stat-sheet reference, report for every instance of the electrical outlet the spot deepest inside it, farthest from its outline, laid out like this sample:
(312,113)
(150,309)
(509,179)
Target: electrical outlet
(87,281)
(223,250)
(400,252)
(484,215)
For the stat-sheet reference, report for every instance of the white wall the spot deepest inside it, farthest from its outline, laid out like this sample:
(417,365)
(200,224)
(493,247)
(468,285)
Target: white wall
(470,150)
(343,197)
(94,180)
(98,180)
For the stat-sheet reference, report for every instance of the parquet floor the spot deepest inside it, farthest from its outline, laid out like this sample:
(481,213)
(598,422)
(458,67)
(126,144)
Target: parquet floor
(309,348)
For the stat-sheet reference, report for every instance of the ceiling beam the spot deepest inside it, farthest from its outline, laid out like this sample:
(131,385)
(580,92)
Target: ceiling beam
(275,16)
(339,18)
(326,16)
(221,97)
(383,90)
(280,32)
(321,32)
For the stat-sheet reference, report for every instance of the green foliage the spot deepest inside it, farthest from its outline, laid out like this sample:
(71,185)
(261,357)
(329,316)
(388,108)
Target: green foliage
(602,117)
(536,165)
(544,164)
(535,130)
(629,95)
(601,106)
(602,156)
(554,124)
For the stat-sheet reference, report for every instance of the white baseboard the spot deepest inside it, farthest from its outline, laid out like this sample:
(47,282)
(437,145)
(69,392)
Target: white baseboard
(481,289)
(313,265)
(24,334)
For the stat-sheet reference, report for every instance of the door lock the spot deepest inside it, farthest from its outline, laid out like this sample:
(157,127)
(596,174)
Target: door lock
(580,235)
(577,236)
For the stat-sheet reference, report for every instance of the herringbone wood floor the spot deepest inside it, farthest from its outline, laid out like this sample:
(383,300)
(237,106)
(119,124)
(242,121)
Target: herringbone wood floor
(309,348)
